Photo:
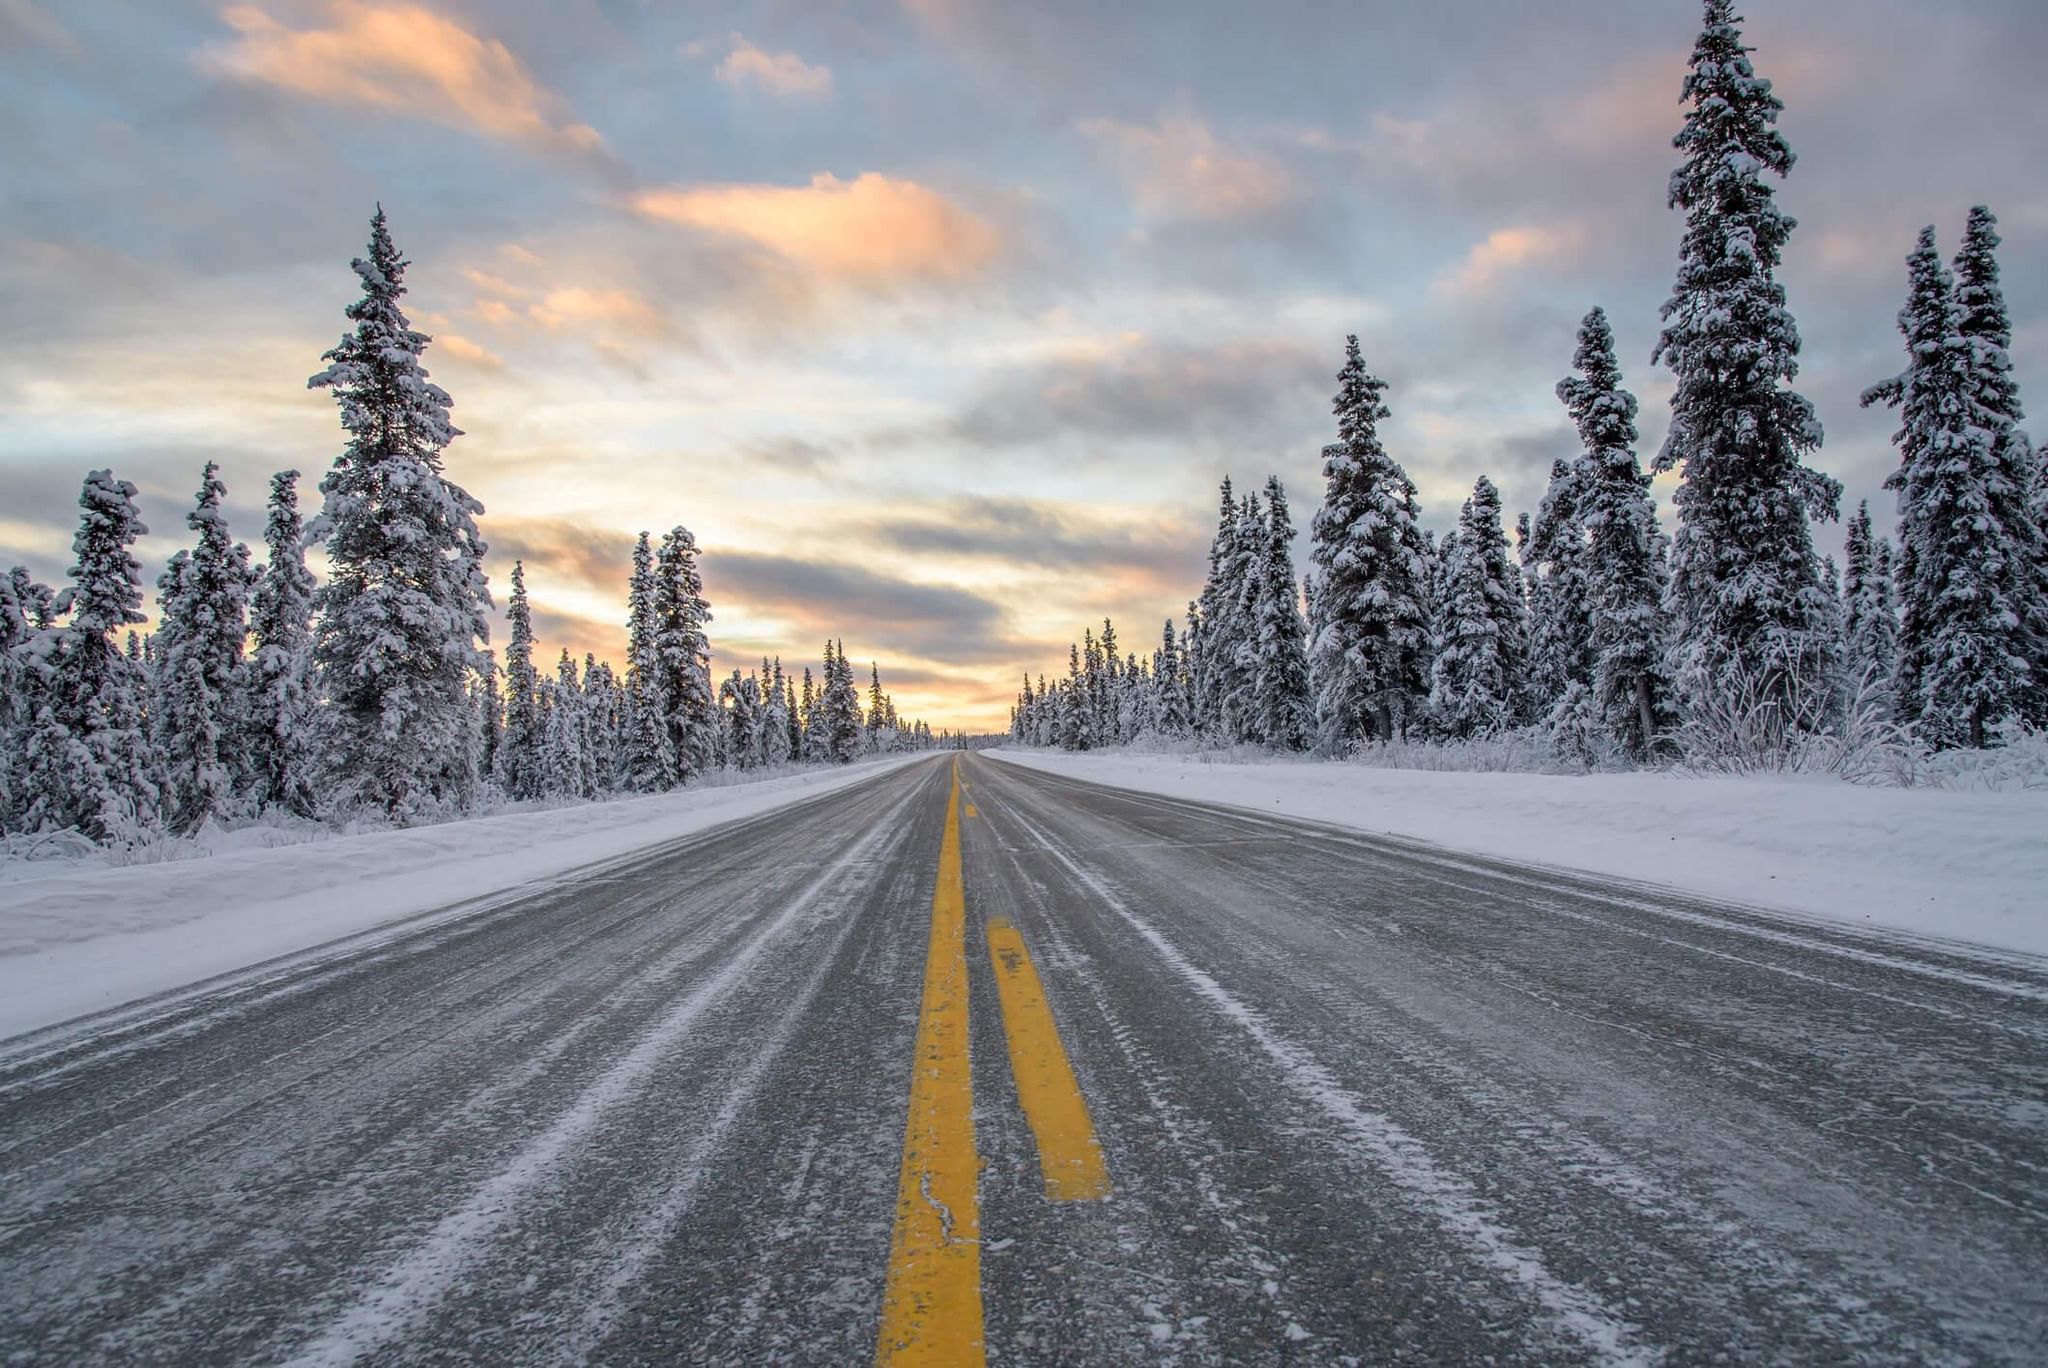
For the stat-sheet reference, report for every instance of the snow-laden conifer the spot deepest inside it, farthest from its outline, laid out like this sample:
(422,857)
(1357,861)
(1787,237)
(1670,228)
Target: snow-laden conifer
(648,760)
(1963,517)
(1748,608)
(282,760)
(519,748)
(403,614)
(683,650)
(198,713)
(1870,624)
(1480,658)
(1624,566)
(1282,710)
(1368,642)
(88,761)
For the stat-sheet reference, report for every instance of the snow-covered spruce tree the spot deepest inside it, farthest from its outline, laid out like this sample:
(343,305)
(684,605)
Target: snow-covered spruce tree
(776,739)
(564,769)
(842,736)
(739,698)
(684,653)
(648,759)
(1367,645)
(1870,625)
(1211,649)
(1236,659)
(1480,657)
(1553,555)
(24,611)
(1109,708)
(1963,515)
(1282,715)
(1625,549)
(1995,406)
(1169,686)
(198,709)
(281,696)
(519,748)
(403,617)
(87,760)
(1748,610)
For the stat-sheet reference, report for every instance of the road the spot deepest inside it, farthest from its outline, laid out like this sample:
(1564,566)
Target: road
(968,1056)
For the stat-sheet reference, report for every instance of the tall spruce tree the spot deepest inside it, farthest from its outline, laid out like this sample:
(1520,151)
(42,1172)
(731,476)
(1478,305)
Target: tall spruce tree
(1283,713)
(198,713)
(1994,393)
(1748,607)
(403,616)
(1625,550)
(1480,658)
(519,748)
(1870,625)
(1367,645)
(1963,517)
(649,754)
(19,690)
(1553,553)
(88,763)
(281,692)
(683,650)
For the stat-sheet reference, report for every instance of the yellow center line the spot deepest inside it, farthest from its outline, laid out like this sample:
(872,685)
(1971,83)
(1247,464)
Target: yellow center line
(931,1305)
(1068,1154)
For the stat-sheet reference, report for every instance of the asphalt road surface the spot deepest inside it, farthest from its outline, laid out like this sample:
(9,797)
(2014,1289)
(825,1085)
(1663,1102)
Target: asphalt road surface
(971,1058)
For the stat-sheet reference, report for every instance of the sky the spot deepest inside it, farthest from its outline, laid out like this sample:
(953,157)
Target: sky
(937,321)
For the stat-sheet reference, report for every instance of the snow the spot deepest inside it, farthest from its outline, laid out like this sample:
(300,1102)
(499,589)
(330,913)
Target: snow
(1969,866)
(75,940)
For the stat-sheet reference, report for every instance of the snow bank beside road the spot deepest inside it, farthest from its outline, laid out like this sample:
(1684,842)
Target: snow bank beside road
(1964,866)
(79,940)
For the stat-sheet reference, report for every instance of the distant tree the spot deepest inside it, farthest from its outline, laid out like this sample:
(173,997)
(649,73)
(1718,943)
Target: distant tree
(648,753)
(198,711)
(519,750)
(1870,625)
(683,652)
(1480,658)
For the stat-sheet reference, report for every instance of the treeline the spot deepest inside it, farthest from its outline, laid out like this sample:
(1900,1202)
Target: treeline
(1618,643)
(262,691)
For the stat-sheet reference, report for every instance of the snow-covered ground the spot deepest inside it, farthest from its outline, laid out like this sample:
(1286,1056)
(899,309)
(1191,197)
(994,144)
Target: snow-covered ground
(82,938)
(1966,866)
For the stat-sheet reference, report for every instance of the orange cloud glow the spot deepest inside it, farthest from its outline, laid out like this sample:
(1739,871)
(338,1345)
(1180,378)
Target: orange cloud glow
(1179,167)
(406,59)
(1507,249)
(872,230)
(779,73)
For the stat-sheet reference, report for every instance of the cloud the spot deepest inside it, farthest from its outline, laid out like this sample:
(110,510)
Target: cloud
(593,557)
(1506,250)
(872,230)
(1180,170)
(1041,534)
(577,304)
(405,59)
(778,73)
(1149,390)
(462,349)
(826,598)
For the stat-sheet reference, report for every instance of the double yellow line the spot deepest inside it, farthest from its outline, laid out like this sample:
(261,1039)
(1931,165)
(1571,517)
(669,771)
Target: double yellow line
(931,1305)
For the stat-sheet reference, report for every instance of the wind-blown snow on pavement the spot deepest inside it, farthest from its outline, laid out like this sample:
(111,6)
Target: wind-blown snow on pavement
(78,940)
(1961,866)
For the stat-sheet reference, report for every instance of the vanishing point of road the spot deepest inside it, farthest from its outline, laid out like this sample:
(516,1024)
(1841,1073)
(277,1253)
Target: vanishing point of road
(969,1062)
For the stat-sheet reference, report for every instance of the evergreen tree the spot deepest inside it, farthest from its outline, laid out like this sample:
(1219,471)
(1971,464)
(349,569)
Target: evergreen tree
(1870,622)
(811,747)
(1963,516)
(402,617)
(777,738)
(281,694)
(1479,660)
(24,612)
(1995,406)
(1624,563)
(519,750)
(1555,571)
(564,767)
(1368,642)
(1280,677)
(1747,604)
(198,711)
(88,763)
(841,706)
(649,761)
(684,653)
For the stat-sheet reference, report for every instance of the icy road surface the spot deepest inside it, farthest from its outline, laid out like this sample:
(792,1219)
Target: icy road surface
(1191,1086)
